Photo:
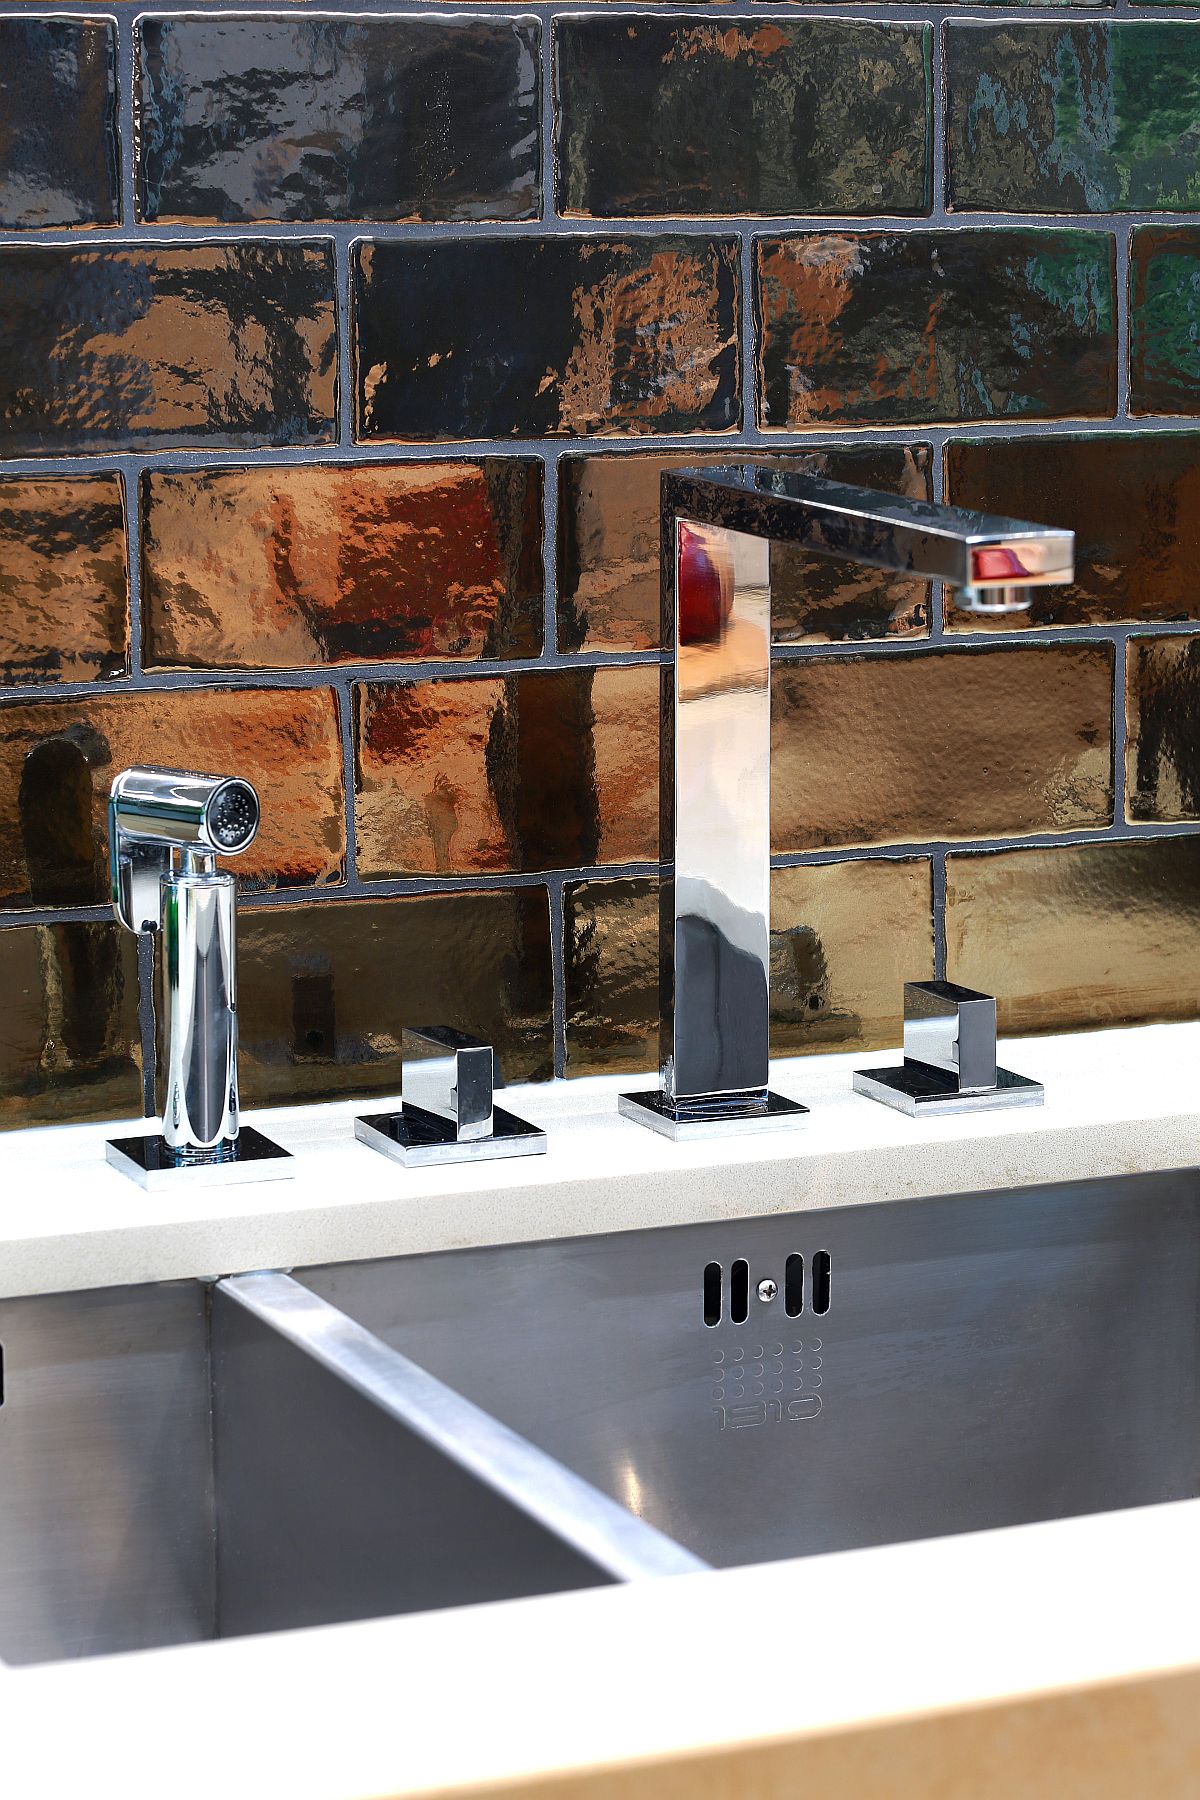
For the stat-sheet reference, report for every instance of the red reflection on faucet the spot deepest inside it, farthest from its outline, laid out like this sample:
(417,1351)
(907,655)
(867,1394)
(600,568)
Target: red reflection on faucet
(997,563)
(705,585)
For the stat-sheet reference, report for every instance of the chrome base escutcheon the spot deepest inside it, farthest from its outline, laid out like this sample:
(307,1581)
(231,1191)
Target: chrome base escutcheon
(692,1124)
(154,1165)
(420,1139)
(920,1091)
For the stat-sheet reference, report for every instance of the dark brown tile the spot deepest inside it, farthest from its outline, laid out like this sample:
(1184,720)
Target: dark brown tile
(155,345)
(1133,502)
(290,567)
(1071,118)
(1078,936)
(532,336)
(326,989)
(1162,753)
(59,155)
(915,327)
(845,937)
(70,1047)
(58,759)
(553,770)
(64,586)
(294,116)
(608,551)
(1164,320)
(778,116)
(924,744)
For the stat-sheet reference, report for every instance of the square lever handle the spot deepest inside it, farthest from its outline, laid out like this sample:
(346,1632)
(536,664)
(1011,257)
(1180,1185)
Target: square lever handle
(448,1113)
(949,1056)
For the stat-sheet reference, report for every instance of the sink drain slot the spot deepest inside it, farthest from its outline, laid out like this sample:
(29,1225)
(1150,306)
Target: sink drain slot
(820,1274)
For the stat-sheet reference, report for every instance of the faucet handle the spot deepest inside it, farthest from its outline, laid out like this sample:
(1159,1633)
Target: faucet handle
(451,1075)
(951,1028)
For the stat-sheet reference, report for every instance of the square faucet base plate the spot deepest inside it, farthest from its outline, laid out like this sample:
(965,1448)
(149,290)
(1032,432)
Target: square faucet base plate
(654,1109)
(418,1138)
(920,1091)
(151,1162)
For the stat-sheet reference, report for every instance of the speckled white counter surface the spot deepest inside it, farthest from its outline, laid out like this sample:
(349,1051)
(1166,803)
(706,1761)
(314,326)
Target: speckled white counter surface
(1047,1662)
(1115,1102)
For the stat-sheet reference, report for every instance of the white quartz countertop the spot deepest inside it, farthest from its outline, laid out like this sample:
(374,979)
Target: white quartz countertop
(1116,1102)
(973,1664)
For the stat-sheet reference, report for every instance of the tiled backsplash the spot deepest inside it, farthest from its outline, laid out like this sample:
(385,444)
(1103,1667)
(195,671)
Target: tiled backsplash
(340,355)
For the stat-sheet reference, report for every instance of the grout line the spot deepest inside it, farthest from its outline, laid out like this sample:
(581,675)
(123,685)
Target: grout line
(937,883)
(1120,732)
(749,334)
(548,144)
(1122,322)
(551,656)
(126,119)
(939,144)
(558,976)
(345,705)
(343,310)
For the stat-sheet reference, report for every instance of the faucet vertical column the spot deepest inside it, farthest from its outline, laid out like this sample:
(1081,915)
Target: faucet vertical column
(715,788)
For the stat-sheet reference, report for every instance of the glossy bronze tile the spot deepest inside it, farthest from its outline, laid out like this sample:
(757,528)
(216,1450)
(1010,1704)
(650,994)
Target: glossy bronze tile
(288,567)
(303,117)
(1071,118)
(527,337)
(1080,935)
(845,937)
(1164,321)
(608,551)
(913,327)
(159,344)
(326,989)
(1133,502)
(64,588)
(923,744)
(70,1047)
(58,759)
(59,154)
(775,117)
(552,770)
(1162,753)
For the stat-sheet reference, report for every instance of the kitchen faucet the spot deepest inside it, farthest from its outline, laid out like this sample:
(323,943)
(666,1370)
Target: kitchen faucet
(718,529)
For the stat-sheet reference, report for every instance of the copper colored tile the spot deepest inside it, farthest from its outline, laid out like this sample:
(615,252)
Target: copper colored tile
(70,1046)
(940,744)
(58,759)
(533,771)
(64,587)
(1133,502)
(1079,935)
(608,551)
(845,937)
(326,989)
(1162,704)
(289,567)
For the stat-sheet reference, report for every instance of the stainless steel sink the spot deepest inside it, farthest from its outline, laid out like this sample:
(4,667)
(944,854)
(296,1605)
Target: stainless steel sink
(923,1367)
(180,1462)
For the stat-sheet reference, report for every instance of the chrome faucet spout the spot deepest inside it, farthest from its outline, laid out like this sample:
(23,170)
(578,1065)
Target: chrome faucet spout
(718,529)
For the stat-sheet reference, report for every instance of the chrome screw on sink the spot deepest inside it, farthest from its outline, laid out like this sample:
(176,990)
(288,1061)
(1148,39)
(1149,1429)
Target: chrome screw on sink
(766,1290)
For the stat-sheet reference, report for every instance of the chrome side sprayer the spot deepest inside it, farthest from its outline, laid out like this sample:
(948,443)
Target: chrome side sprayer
(166,828)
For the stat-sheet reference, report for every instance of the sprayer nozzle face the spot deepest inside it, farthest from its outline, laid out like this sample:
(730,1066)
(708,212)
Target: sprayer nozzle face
(233,816)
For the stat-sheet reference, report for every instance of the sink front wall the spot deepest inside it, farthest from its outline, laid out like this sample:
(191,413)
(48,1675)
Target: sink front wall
(364,509)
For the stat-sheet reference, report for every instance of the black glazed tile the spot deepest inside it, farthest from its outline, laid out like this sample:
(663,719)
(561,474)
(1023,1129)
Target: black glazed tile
(152,345)
(59,159)
(307,117)
(749,116)
(526,337)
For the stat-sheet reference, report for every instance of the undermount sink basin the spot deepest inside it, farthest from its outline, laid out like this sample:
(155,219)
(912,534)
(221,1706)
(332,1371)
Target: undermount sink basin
(977,1360)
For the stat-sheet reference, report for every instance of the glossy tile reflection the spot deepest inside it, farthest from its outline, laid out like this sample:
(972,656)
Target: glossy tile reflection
(58,758)
(1080,936)
(535,771)
(293,567)
(844,938)
(159,345)
(871,327)
(940,744)
(1164,320)
(787,116)
(70,1047)
(608,551)
(1162,703)
(59,153)
(627,335)
(321,1016)
(1096,117)
(297,117)
(1133,502)
(64,588)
